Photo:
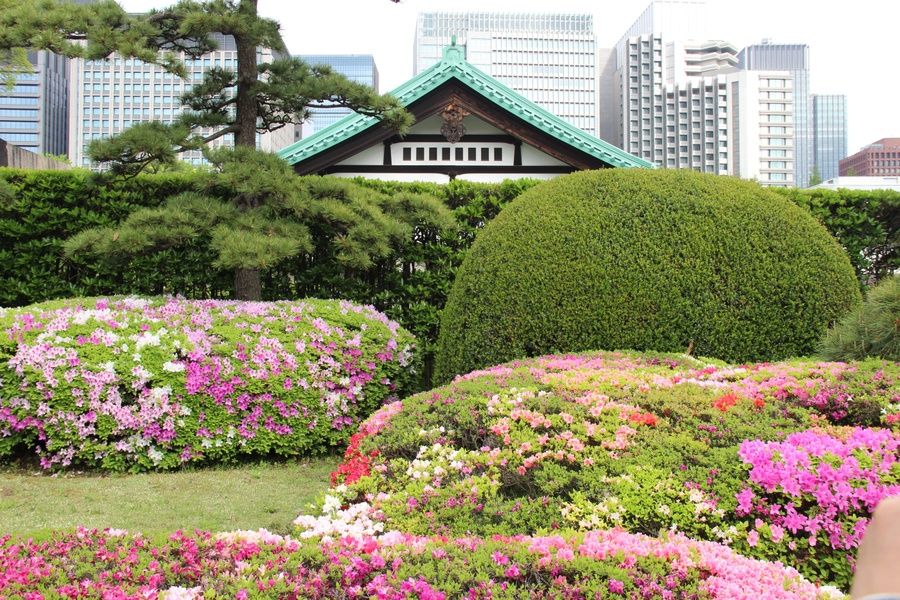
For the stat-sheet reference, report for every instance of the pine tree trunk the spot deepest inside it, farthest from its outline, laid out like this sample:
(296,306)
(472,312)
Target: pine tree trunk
(247,284)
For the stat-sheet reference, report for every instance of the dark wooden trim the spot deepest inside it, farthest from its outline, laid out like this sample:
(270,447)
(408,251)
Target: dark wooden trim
(446,169)
(435,101)
(387,153)
(517,157)
(469,137)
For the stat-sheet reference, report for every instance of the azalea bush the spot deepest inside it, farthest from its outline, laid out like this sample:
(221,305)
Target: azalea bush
(138,384)
(394,566)
(781,461)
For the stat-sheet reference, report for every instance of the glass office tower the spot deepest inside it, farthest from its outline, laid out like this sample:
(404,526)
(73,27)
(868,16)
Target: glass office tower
(355,67)
(33,112)
(829,133)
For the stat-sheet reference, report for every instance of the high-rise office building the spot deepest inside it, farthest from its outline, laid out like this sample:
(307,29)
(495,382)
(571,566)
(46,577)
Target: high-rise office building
(674,102)
(793,58)
(683,102)
(355,67)
(34,111)
(829,117)
(548,58)
(879,158)
(110,95)
(762,145)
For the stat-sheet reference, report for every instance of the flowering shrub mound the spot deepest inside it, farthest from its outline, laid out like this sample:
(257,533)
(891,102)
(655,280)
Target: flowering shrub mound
(642,259)
(138,384)
(605,564)
(778,461)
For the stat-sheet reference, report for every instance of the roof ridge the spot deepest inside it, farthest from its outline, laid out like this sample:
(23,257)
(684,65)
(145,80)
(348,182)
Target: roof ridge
(478,81)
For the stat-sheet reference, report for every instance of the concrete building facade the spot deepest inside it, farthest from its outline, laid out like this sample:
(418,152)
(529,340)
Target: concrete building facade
(34,112)
(548,58)
(794,59)
(877,159)
(684,100)
(110,95)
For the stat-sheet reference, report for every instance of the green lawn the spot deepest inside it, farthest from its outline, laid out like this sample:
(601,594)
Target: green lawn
(246,497)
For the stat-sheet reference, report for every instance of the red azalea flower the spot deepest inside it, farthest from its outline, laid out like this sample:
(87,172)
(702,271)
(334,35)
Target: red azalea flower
(643,419)
(726,401)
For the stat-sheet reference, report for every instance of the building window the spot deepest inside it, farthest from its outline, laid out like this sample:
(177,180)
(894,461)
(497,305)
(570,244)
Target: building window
(498,154)
(432,153)
(420,153)
(445,153)
(459,154)
(407,154)
(473,154)
(485,154)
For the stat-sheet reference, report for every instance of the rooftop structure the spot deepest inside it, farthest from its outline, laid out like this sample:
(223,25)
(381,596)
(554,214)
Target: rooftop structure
(468,125)
(879,158)
(849,182)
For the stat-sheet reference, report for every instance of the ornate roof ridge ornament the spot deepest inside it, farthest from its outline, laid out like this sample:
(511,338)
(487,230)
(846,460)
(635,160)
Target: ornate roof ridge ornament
(453,129)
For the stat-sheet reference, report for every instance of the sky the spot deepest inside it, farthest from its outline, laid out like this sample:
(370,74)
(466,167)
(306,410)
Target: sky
(853,43)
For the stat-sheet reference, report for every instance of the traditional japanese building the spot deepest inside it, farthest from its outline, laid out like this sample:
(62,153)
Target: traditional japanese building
(468,126)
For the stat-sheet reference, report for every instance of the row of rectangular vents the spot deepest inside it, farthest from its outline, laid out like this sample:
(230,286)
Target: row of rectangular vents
(483,154)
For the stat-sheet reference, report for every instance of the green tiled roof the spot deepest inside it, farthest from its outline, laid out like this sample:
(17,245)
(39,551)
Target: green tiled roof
(454,66)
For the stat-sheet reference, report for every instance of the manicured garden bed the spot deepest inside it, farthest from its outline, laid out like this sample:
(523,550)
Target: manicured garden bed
(781,462)
(135,384)
(242,565)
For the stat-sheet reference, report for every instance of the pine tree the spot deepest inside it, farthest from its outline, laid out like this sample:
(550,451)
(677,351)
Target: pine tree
(252,99)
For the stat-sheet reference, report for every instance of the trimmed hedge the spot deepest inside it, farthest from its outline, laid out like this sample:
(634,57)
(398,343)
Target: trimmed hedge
(660,260)
(50,206)
(872,329)
(778,461)
(865,222)
(40,209)
(138,384)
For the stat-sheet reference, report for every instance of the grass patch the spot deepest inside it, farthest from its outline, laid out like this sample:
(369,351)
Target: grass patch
(217,499)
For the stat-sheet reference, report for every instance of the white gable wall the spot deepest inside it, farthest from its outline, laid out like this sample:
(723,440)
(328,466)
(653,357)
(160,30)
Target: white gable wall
(465,152)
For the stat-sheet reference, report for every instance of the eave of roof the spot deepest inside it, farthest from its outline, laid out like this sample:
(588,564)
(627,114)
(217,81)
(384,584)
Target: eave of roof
(453,66)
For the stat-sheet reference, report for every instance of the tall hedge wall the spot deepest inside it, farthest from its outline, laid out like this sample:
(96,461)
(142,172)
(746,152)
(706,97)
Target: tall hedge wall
(39,209)
(865,222)
(47,207)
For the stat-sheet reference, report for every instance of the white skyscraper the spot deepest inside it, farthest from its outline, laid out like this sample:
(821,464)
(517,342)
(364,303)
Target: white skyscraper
(548,58)
(683,103)
(110,95)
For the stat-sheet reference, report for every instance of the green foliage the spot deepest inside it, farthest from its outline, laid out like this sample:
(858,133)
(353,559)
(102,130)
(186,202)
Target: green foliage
(41,209)
(872,329)
(663,260)
(253,213)
(865,222)
(160,383)
(48,207)
(651,443)
(254,97)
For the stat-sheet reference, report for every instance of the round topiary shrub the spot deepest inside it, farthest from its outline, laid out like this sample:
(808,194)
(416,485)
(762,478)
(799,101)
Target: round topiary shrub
(665,260)
(778,461)
(872,329)
(137,384)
